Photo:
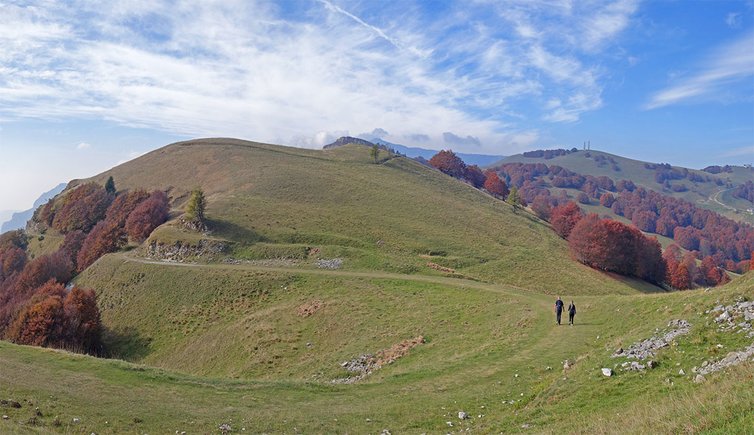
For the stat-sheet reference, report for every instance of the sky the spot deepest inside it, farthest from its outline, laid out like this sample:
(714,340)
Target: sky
(86,85)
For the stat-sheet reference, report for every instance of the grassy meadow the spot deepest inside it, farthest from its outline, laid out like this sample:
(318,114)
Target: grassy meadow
(257,341)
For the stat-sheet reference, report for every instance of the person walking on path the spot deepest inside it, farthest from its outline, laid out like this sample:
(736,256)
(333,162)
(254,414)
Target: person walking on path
(571,313)
(558,309)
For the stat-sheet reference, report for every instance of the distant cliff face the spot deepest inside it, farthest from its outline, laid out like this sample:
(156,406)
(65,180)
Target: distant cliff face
(18,220)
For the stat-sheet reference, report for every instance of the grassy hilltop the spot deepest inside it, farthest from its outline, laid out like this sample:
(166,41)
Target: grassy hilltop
(256,343)
(275,202)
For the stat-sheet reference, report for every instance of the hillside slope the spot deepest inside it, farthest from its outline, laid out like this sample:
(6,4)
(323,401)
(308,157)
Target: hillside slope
(273,202)
(708,195)
(503,371)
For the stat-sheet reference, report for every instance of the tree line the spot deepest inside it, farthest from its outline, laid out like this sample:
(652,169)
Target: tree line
(36,308)
(613,246)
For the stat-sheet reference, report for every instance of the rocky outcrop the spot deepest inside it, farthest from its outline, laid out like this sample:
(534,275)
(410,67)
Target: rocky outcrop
(732,359)
(646,349)
(331,264)
(738,317)
(182,251)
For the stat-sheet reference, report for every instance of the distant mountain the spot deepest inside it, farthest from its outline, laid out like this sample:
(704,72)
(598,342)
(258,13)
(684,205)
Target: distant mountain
(5,215)
(468,158)
(414,152)
(18,220)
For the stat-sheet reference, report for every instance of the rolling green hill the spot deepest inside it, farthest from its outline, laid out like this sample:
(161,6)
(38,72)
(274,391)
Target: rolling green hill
(286,210)
(254,336)
(704,194)
(274,202)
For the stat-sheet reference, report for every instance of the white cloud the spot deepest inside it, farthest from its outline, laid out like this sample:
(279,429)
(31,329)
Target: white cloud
(238,68)
(733,20)
(729,65)
(83,146)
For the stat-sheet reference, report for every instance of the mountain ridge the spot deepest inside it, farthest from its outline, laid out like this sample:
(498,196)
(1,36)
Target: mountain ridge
(18,219)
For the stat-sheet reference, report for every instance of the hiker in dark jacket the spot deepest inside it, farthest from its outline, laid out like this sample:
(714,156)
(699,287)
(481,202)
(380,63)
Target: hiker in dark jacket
(571,313)
(558,309)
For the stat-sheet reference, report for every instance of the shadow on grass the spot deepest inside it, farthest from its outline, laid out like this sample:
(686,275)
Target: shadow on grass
(236,233)
(637,284)
(126,344)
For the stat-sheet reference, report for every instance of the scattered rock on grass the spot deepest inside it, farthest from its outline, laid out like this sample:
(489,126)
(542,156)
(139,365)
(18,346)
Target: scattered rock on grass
(365,364)
(462,415)
(607,372)
(732,359)
(332,264)
(646,349)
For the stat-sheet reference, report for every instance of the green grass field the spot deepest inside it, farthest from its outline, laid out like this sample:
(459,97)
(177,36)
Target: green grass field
(200,343)
(486,346)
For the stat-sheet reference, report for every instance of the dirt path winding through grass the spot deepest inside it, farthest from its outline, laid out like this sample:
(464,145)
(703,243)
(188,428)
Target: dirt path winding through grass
(716,198)
(454,282)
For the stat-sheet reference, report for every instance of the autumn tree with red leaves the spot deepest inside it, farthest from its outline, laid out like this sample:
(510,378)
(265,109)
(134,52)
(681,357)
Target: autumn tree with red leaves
(475,176)
(82,208)
(16,238)
(613,246)
(495,186)
(42,269)
(82,320)
(147,216)
(12,260)
(39,324)
(607,199)
(124,204)
(449,163)
(542,206)
(53,317)
(565,217)
(104,238)
(680,277)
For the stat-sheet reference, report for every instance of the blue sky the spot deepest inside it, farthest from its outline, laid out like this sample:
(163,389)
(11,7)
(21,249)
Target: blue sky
(87,85)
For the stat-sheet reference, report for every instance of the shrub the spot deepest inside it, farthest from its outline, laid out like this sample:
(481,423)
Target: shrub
(82,320)
(39,324)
